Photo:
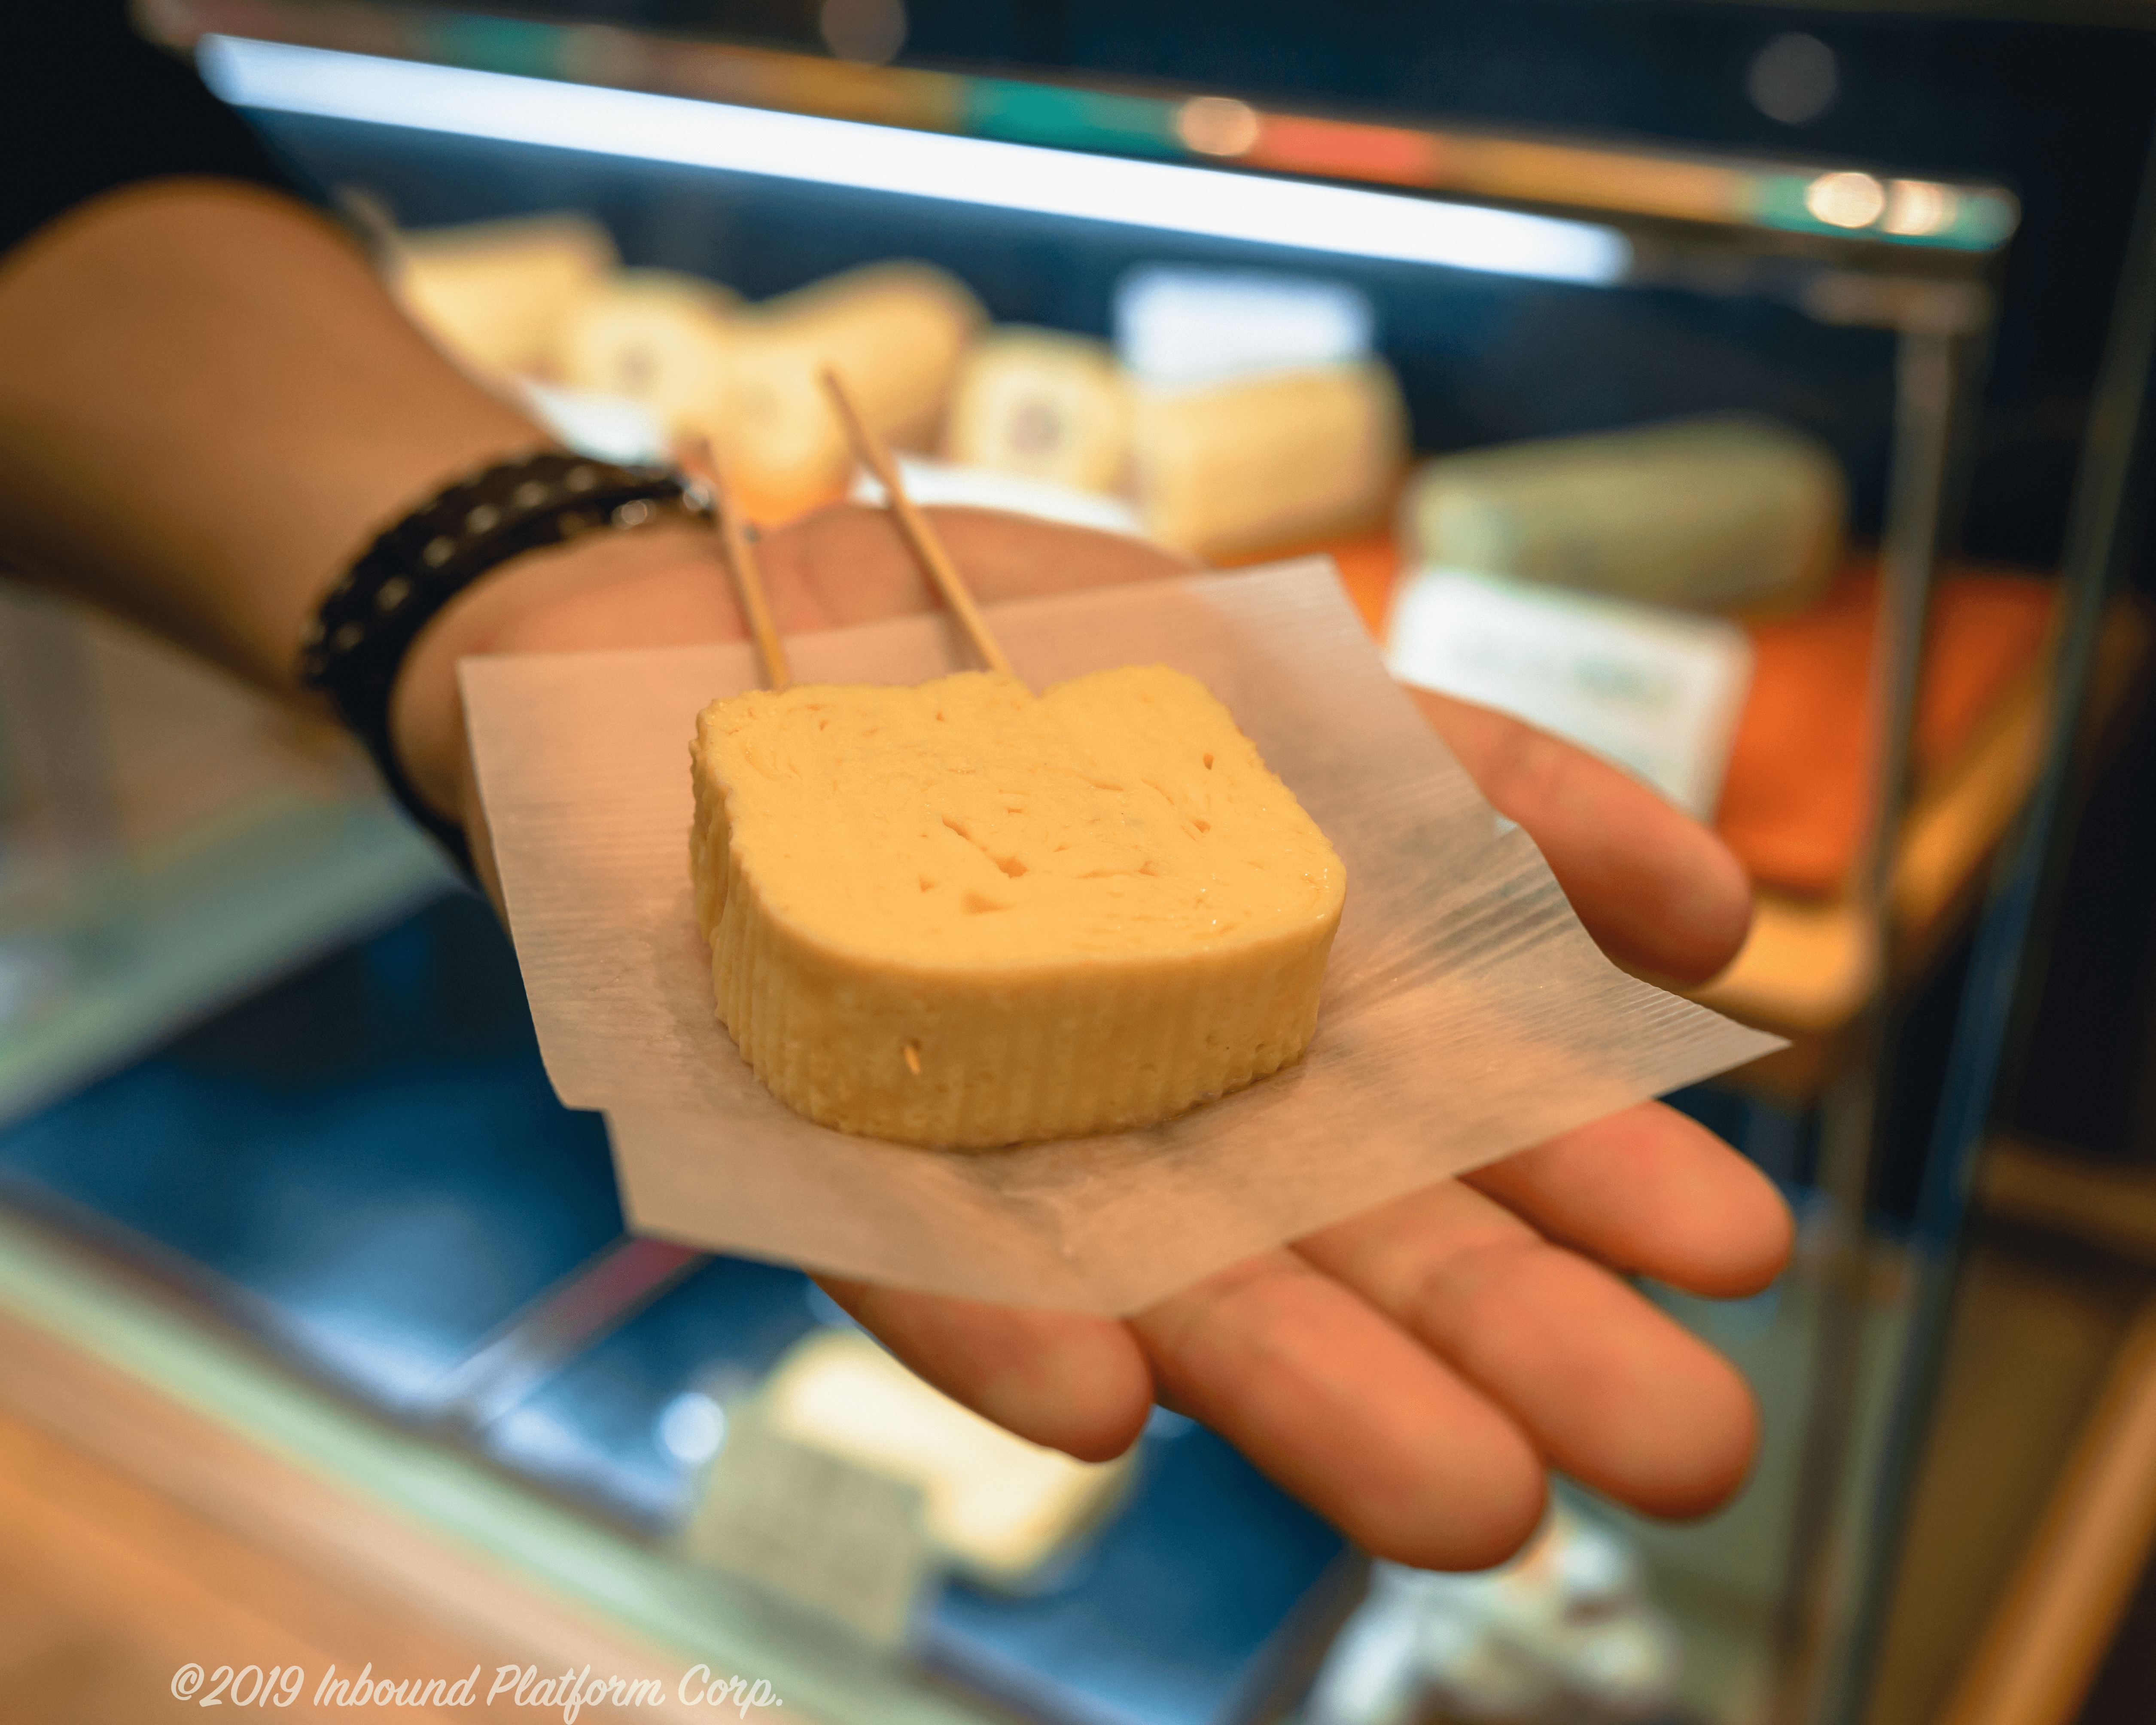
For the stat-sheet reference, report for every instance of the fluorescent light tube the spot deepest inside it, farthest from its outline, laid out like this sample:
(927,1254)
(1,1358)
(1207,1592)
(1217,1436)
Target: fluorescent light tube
(1165,196)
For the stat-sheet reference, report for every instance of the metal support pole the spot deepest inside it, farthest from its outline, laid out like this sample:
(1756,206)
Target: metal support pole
(1813,1617)
(2024,890)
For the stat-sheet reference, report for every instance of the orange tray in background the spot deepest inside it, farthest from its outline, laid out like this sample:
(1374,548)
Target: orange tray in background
(1793,803)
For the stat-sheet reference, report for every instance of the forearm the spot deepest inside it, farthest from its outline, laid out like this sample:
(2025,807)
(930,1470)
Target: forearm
(209,403)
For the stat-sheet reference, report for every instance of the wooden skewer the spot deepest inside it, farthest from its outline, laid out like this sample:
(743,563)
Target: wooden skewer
(696,455)
(875,455)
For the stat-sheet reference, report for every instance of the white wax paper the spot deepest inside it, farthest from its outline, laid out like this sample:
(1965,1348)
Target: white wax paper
(1465,1012)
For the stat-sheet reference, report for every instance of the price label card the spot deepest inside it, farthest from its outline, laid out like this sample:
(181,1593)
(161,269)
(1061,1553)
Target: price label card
(820,1532)
(1658,692)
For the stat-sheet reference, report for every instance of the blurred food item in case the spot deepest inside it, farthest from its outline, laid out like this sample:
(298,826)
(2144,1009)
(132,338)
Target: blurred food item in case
(1564,1634)
(495,293)
(1246,412)
(658,336)
(1261,416)
(1265,461)
(1658,692)
(541,300)
(893,332)
(1723,513)
(998,1508)
(1043,405)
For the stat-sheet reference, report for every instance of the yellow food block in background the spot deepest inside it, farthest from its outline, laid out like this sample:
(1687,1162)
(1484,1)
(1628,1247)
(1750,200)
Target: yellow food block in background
(658,336)
(893,330)
(1729,511)
(959,914)
(997,1507)
(1265,461)
(1042,404)
(495,293)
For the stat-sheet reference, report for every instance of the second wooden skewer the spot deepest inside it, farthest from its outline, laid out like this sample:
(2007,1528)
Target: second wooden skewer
(876,456)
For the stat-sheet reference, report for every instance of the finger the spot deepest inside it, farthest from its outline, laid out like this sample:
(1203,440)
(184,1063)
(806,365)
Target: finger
(1346,1412)
(1655,888)
(1071,1381)
(1609,1389)
(1647,1190)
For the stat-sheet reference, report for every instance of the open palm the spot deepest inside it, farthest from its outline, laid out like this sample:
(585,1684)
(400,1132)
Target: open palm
(1412,1373)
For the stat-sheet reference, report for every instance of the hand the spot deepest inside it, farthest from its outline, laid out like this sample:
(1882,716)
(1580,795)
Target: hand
(1411,1373)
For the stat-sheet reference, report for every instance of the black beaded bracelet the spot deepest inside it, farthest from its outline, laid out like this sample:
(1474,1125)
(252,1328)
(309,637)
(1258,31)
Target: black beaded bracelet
(356,645)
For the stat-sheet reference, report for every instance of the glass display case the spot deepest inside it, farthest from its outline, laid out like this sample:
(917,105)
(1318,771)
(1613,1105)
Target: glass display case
(266,1069)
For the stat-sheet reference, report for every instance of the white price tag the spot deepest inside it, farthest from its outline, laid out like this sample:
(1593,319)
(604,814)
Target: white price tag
(1658,692)
(814,1529)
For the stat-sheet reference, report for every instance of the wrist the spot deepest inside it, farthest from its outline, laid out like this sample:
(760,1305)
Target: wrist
(356,647)
(608,589)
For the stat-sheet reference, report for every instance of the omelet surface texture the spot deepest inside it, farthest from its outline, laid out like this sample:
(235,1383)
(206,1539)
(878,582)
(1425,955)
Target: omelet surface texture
(960,914)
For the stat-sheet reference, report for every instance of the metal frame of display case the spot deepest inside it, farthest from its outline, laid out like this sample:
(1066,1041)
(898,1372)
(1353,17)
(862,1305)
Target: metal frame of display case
(1918,258)
(2020,902)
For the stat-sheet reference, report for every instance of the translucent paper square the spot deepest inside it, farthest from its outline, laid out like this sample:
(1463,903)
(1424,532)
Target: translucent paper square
(1465,1014)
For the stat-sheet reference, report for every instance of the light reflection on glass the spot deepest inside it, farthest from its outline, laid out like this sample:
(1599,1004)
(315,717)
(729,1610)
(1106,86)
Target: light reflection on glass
(1216,126)
(1917,206)
(1846,200)
(692,1428)
(987,171)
